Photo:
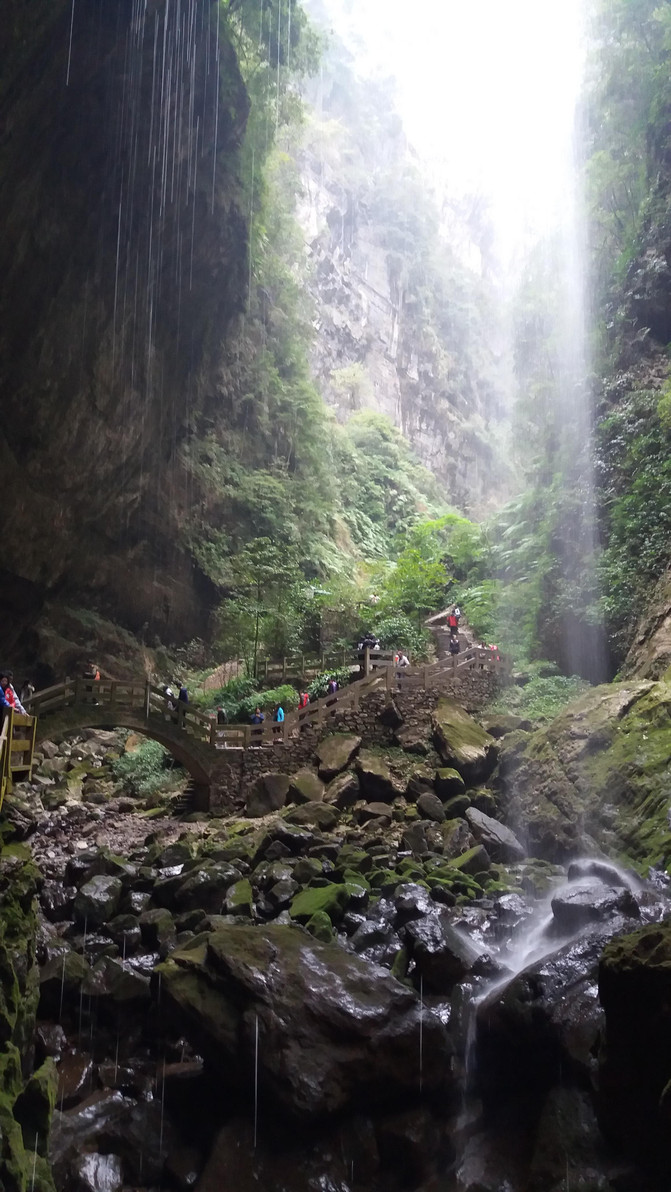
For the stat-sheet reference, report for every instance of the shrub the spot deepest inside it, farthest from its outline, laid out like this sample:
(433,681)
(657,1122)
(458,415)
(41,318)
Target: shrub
(318,687)
(146,770)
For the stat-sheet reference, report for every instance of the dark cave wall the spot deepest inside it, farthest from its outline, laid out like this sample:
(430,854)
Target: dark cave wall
(122,259)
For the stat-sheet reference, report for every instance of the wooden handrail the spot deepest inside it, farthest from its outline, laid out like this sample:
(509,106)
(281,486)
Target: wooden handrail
(5,773)
(153,703)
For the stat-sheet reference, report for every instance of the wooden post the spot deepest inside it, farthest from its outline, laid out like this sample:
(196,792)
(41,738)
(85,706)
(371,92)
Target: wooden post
(366,660)
(284,670)
(147,693)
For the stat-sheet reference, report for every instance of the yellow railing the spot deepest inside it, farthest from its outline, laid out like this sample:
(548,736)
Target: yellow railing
(17,746)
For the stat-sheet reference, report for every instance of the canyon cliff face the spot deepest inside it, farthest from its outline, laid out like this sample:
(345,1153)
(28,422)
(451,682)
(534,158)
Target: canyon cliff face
(122,259)
(401,291)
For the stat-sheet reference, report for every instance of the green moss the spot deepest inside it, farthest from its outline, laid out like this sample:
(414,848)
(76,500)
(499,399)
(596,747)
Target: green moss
(319,925)
(331,899)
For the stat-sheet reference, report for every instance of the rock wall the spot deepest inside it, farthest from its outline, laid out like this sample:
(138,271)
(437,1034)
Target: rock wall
(122,260)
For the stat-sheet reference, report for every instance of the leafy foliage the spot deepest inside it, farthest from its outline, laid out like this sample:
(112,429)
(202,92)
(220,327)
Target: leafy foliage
(146,770)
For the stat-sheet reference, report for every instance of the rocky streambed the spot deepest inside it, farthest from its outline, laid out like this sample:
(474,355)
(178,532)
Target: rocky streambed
(363,983)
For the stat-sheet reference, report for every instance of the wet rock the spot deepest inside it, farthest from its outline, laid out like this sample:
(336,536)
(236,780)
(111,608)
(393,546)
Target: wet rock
(157,928)
(413,738)
(306,787)
(315,815)
(411,902)
(204,889)
(240,899)
(430,807)
(243,1164)
(474,860)
(125,931)
(97,900)
(375,777)
(419,782)
(343,791)
(335,753)
(587,867)
(335,1032)
(462,744)
(269,793)
(442,956)
(75,1077)
(51,1039)
(57,900)
(98,1173)
(182,1167)
(569,1150)
(408,1143)
(455,837)
(589,901)
(378,813)
(546,1020)
(136,1132)
(61,980)
(501,844)
(414,839)
(282,893)
(448,783)
(332,899)
(504,722)
(634,1064)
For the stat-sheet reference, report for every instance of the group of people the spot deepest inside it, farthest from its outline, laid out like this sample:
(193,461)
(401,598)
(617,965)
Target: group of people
(372,643)
(10,700)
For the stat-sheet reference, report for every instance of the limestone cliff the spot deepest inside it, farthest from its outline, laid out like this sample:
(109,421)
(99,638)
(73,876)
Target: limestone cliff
(122,258)
(399,288)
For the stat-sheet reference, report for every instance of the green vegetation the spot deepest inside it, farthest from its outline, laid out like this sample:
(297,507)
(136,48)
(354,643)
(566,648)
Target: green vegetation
(543,697)
(146,770)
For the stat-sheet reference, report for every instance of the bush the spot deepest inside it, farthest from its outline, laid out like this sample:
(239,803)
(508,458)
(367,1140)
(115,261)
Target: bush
(229,696)
(398,632)
(267,701)
(146,770)
(318,687)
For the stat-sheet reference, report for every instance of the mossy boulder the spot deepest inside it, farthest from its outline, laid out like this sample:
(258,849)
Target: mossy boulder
(600,769)
(314,815)
(375,777)
(332,899)
(462,744)
(319,925)
(474,860)
(448,782)
(335,753)
(335,1034)
(306,787)
(240,898)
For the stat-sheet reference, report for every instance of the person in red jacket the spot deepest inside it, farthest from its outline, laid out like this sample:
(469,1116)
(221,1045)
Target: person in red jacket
(11,698)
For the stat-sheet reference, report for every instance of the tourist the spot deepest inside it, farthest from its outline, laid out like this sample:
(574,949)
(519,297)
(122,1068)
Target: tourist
(222,715)
(403,659)
(258,717)
(455,645)
(453,622)
(183,696)
(10,694)
(5,705)
(303,699)
(332,686)
(27,692)
(278,714)
(457,613)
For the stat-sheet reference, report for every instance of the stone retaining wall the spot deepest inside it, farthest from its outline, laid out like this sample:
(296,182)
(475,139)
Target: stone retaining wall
(236,771)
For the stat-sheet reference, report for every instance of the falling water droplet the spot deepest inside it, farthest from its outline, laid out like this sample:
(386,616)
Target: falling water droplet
(32,1184)
(421,1032)
(72,22)
(256,1078)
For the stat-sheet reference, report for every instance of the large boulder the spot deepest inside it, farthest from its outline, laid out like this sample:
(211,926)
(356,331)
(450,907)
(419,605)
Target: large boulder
(269,793)
(635,1061)
(599,769)
(501,844)
(335,753)
(442,955)
(306,787)
(98,899)
(462,744)
(375,777)
(333,1031)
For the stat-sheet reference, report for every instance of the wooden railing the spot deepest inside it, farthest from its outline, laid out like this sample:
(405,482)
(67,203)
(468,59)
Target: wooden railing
(17,745)
(152,704)
(300,666)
